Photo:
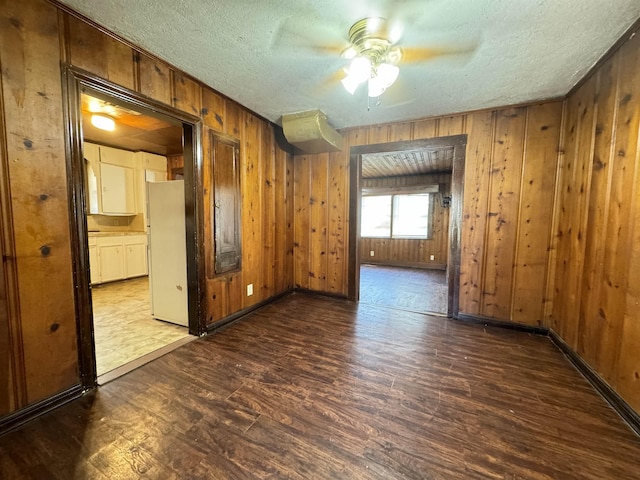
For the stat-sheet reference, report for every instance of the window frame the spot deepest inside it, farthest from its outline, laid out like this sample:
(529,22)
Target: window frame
(429,191)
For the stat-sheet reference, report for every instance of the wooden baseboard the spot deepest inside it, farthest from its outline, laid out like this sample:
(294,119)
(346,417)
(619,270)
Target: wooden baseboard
(234,317)
(24,415)
(623,409)
(322,294)
(492,322)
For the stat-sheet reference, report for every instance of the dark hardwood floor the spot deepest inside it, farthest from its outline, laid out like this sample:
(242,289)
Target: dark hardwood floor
(412,289)
(318,388)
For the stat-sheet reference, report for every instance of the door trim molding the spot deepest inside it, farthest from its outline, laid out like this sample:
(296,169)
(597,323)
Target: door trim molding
(459,143)
(74,81)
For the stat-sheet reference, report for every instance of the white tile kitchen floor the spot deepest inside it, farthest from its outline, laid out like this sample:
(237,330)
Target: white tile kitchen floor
(124,330)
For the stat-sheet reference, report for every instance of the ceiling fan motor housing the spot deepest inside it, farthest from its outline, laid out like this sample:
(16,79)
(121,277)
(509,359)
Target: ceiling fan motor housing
(369,38)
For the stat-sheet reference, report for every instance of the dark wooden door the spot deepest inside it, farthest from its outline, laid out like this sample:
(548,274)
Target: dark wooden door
(226,208)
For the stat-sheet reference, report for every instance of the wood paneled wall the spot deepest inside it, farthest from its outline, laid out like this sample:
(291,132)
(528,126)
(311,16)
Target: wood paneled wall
(295,211)
(38,356)
(596,299)
(406,251)
(510,174)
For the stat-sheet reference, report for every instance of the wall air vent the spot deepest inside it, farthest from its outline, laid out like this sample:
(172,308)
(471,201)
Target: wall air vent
(310,132)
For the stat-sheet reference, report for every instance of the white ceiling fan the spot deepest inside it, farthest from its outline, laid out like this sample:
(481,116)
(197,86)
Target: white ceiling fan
(376,50)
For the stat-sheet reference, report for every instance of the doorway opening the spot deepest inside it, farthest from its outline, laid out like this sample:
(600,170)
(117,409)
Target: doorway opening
(406,212)
(127,250)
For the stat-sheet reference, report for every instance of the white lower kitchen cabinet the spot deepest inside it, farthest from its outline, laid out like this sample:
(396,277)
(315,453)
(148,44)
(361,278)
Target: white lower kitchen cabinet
(117,257)
(110,259)
(135,256)
(93,260)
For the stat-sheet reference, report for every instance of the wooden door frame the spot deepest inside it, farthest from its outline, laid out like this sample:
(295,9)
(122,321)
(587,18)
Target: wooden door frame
(459,143)
(74,81)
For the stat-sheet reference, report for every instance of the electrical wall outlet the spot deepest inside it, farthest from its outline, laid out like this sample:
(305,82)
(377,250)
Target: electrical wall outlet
(371,253)
(432,257)
(249,289)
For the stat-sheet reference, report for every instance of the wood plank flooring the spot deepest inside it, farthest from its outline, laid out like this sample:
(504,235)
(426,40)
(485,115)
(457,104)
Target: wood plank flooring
(319,388)
(123,327)
(413,289)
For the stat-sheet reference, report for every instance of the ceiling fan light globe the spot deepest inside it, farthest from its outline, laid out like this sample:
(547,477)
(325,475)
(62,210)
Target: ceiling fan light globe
(376,87)
(360,69)
(350,84)
(386,74)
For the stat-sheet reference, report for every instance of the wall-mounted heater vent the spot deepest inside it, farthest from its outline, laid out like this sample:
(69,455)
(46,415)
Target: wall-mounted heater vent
(310,132)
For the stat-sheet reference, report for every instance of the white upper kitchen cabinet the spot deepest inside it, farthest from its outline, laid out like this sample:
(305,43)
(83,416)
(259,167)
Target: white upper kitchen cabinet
(111,186)
(92,165)
(117,188)
(116,156)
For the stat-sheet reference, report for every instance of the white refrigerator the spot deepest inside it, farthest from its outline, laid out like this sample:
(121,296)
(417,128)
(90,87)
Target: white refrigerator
(167,251)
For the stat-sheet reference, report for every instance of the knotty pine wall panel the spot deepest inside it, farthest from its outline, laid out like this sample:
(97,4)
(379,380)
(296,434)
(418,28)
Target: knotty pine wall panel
(213,110)
(597,213)
(96,52)
(338,213)
(269,256)
(154,78)
(406,251)
(187,94)
(36,165)
(267,210)
(252,216)
(302,221)
(318,223)
(474,212)
(535,209)
(495,217)
(283,240)
(35,38)
(596,301)
(505,178)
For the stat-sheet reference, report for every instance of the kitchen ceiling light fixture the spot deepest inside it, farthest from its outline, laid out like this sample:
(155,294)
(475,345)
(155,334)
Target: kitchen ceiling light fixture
(373,57)
(103,122)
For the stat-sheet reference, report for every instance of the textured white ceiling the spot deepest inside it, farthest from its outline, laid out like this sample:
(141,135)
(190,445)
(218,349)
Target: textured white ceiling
(261,53)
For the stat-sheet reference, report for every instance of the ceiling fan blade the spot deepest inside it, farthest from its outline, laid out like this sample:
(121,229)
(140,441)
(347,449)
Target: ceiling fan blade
(412,55)
(303,37)
(330,83)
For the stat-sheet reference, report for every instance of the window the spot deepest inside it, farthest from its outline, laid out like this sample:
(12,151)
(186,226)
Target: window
(376,216)
(396,216)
